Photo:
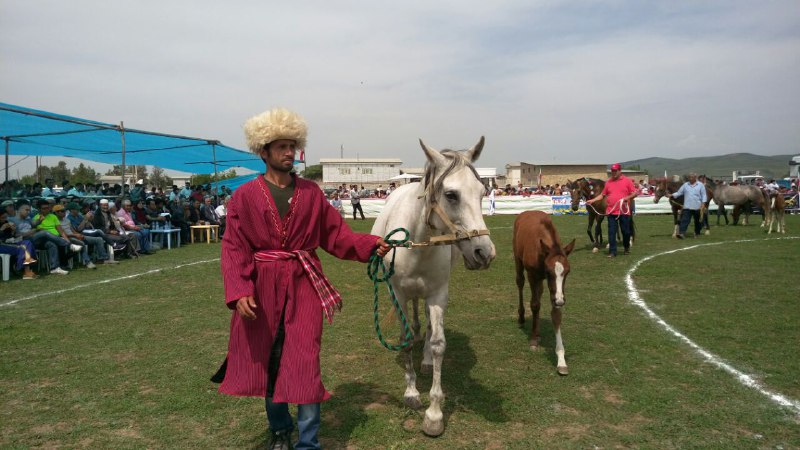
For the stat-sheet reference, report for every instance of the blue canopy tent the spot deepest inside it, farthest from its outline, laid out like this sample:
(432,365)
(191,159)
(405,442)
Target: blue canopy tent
(26,131)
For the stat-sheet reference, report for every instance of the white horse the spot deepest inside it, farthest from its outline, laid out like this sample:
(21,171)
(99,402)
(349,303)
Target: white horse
(444,208)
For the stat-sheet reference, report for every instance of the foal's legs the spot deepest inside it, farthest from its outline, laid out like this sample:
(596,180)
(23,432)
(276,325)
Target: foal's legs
(520,286)
(537,287)
(433,424)
(555,315)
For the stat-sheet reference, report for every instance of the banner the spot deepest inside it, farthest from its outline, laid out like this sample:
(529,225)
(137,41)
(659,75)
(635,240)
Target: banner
(562,205)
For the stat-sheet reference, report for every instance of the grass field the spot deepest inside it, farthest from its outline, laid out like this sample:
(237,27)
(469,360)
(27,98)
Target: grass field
(125,363)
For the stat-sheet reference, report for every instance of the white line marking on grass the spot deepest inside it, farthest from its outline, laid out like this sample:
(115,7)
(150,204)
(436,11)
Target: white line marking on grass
(110,280)
(745,379)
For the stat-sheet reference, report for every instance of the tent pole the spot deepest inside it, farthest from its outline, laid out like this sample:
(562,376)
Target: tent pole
(122,134)
(6,139)
(216,177)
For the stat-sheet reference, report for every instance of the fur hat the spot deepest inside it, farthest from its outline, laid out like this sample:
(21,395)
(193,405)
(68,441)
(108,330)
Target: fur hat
(269,126)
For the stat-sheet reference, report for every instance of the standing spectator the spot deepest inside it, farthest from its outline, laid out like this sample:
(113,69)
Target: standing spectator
(492,203)
(178,218)
(619,192)
(355,201)
(694,196)
(268,262)
(222,212)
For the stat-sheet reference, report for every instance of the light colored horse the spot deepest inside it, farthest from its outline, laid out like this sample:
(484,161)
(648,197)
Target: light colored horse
(777,212)
(742,196)
(444,206)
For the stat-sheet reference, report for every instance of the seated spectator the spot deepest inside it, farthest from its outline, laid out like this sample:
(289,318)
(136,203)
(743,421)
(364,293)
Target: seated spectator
(178,218)
(222,211)
(140,230)
(208,212)
(9,208)
(73,236)
(193,216)
(82,224)
(21,249)
(108,223)
(51,237)
(154,214)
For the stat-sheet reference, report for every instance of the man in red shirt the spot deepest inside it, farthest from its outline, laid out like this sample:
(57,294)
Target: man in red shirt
(618,191)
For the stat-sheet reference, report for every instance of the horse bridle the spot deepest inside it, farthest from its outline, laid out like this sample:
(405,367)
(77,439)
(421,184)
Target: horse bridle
(456,233)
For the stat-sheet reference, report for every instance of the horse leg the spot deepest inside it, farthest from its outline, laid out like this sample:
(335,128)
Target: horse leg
(598,234)
(675,222)
(537,287)
(520,287)
(589,228)
(415,321)
(426,366)
(411,396)
(555,315)
(433,424)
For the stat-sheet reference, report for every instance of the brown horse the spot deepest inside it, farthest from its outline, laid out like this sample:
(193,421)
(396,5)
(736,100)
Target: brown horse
(538,251)
(589,188)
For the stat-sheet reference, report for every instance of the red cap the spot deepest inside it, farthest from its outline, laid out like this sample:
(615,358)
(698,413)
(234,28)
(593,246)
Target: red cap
(616,166)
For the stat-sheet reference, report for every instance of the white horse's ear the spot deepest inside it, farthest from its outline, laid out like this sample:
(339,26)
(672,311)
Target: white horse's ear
(433,155)
(475,152)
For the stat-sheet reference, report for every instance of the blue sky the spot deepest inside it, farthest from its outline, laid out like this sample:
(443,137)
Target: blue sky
(544,81)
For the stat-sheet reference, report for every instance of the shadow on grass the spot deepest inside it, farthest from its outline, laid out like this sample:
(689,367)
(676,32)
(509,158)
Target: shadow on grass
(462,391)
(547,337)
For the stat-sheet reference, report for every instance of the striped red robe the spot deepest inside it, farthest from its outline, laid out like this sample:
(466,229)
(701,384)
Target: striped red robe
(310,223)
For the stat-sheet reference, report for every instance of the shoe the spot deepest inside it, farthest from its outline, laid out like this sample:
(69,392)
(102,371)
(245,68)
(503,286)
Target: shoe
(279,440)
(30,261)
(680,236)
(108,261)
(626,252)
(58,271)
(90,265)
(611,255)
(28,275)
(75,248)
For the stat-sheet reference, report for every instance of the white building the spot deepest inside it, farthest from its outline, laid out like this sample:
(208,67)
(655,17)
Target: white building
(361,171)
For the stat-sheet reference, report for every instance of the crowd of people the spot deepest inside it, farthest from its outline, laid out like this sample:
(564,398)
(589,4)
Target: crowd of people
(53,230)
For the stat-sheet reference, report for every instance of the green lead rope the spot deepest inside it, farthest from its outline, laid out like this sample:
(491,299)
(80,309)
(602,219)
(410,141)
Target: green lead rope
(376,270)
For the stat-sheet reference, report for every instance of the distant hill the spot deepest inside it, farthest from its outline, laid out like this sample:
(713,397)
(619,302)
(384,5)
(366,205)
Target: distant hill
(716,166)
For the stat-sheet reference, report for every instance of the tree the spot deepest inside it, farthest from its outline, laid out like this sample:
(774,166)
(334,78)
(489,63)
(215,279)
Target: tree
(135,172)
(60,172)
(159,179)
(84,175)
(209,178)
(313,172)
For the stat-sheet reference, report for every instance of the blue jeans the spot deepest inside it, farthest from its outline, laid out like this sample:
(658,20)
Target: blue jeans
(686,217)
(46,241)
(622,222)
(308,419)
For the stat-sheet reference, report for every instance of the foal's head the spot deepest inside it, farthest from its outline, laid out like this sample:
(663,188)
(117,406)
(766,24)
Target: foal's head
(556,265)
(452,183)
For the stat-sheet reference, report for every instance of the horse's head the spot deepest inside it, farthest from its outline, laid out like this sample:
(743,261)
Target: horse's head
(557,267)
(575,194)
(660,186)
(454,193)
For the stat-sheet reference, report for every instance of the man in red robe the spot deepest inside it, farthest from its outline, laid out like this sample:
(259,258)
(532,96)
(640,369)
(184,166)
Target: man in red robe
(274,281)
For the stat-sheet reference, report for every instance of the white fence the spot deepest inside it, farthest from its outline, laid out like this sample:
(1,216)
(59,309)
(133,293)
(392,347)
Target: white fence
(515,204)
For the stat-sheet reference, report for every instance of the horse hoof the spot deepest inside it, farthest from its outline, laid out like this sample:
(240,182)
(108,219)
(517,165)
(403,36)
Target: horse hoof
(432,428)
(595,250)
(426,369)
(708,233)
(562,370)
(412,403)
(534,347)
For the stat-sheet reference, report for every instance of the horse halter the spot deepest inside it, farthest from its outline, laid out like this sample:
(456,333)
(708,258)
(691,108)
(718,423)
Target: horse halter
(456,233)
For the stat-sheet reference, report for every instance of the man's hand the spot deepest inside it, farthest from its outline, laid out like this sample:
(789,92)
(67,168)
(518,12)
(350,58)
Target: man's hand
(246,306)
(383,247)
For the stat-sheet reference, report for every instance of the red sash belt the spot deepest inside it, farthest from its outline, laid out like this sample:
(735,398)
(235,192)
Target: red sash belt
(328,295)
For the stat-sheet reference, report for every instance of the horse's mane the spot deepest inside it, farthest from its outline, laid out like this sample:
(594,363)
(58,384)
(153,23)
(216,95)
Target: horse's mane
(458,159)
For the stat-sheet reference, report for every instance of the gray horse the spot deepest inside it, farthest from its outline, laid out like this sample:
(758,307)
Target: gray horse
(744,197)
